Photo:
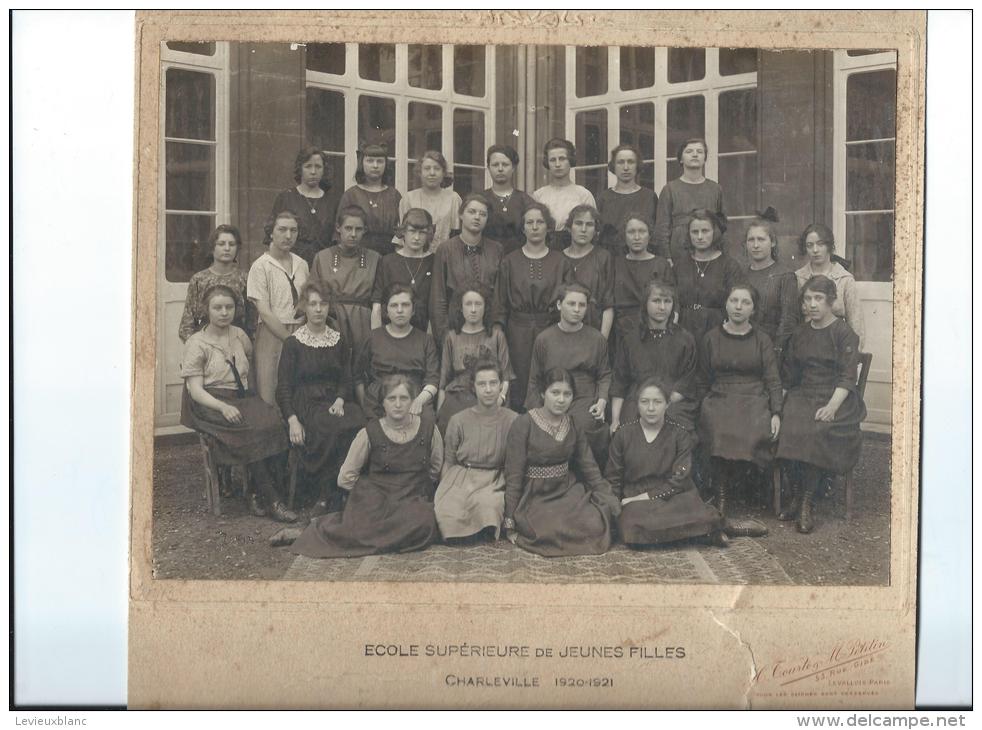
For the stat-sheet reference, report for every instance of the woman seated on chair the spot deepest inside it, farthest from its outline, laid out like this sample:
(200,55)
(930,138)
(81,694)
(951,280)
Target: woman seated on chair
(313,392)
(239,428)
(390,471)
(820,432)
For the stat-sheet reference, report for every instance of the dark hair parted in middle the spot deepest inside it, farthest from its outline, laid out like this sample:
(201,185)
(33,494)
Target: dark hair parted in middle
(825,235)
(555,375)
(457,305)
(625,148)
(559,143)
(580,210)
(716,221)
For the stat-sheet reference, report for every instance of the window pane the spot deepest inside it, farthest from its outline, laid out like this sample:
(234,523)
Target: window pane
(468,180)
(737,61)
(468,137)
(187,243)
(190,112)
(377,62)
(638,128)
(326,57)
(593,179)
(325,119)
(377,121)
(686,119)
(426,66)
(591,137)
(686,64)
(647,175)
(738,121)
(869,246)
(425,133)
(738,177)
(637,67)
(468,70)
(871,105)
(190,181)
(870,176)
(199,49)
(591,70)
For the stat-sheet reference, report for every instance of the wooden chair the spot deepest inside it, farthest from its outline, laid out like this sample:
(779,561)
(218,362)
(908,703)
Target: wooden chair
(213,478)
(865,361)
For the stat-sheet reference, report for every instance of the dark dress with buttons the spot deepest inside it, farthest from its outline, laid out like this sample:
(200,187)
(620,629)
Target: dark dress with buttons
(702,288)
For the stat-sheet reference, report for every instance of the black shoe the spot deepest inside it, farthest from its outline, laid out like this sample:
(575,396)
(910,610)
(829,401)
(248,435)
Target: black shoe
(744,528)
(719,539)
(285,536)
(255,506)
(281,514)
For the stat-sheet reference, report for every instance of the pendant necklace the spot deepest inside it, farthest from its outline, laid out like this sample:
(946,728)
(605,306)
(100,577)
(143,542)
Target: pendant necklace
(702,269)
(412,275)
(503,199)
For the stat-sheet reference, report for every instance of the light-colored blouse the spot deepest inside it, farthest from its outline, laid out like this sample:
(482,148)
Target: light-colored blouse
(204,357)
(269,283)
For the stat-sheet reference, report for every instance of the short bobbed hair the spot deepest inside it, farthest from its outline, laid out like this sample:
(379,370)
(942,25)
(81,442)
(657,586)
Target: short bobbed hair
(503,149)
(558,143)
(302,156)
(825,235)
(625,148)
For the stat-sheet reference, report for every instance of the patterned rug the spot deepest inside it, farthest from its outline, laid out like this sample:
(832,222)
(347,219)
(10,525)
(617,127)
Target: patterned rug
(744,562)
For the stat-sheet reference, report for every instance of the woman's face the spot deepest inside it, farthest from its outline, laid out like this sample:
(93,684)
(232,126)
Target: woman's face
(637,236)
(535,227)
(694,156)
(583,229)
(396,403)
(572,307)
(312,171)
(285,232)
(739,306)
(350,231)
(500,168)
(701,234)
(474,217)
(417,237)
(815,305)
(431,173)
(316,309)
(472,304)
(374,168)
(759,245)
(487,387)
(659,307)
(221,310)
(652,405)
(816,249)
(558,161)
(557,398)
(225,249)
(626,166)
(400,309)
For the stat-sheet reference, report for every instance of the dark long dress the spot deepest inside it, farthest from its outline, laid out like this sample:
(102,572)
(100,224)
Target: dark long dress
(615,209)
(417,274)
(382,209)
(505,219)
(677,200)
(778,313)
(670,354)
(661,468)
(313,373)
(702,288)
(413,356)
(525,305)
(816,363)
(630,279)
(460,351)
(195,315)
(315,218)
(456,264)
(595,271)
(741,374)
(556,514)
(390,508)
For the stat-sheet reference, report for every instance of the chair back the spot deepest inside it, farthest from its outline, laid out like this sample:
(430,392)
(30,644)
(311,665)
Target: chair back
(865,360)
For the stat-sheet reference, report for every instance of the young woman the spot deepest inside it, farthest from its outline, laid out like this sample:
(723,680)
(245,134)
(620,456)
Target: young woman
(817,245)
(508,205)
(547,510)
(561,194)
(592,267)
(658,347)
(650,472)
(225,243)
(273,286)
(777,315)
(315,396)
(582,352)
(740,417)
(822,411)
(467,257)
(397,348)
(242,427)
(632,272)
(626,199)
(374,194)
(470,338)
(704,275)
(411,265)
(471,494)
(688,192)
(436,196)
(525,300)
(313,201)
(348,270)
(389,471)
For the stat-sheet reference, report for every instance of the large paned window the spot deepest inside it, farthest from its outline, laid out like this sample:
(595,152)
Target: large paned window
(411,97)
(656,98)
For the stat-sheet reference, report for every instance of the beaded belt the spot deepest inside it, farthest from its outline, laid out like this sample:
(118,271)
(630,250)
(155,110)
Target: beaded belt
(547,472)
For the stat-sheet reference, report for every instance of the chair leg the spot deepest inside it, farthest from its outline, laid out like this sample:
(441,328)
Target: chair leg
(293,466)
(776,479)
(212,481)
(847,484)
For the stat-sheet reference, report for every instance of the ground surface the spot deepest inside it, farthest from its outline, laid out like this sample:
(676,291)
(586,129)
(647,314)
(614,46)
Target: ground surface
(191,543)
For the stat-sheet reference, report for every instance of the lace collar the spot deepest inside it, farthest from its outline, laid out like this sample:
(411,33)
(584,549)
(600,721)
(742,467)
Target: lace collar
(557,432)
(327,338)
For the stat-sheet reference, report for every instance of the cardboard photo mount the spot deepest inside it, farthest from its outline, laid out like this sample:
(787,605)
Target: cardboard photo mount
(359,645)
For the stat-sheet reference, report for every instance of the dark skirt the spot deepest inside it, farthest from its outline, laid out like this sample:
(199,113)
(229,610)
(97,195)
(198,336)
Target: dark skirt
(735,423)
(327,436)
(833,446)
(559,516)
(454,402)
(261,434)
(656,521)
(521,331)
(597,432)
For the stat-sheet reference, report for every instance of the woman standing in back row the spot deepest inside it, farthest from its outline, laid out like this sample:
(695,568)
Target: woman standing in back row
(508,205)
(374,194)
